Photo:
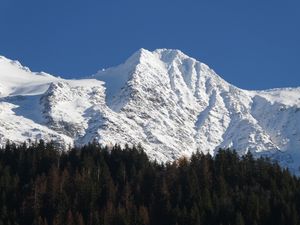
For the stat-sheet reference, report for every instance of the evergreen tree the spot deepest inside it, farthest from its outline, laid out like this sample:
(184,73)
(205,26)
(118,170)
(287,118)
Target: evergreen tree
(95,185)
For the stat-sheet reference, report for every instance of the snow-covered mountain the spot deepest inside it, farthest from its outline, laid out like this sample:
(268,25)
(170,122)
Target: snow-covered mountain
(170,103)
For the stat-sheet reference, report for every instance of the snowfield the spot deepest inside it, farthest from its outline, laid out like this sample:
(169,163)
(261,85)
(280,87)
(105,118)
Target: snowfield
(170,103)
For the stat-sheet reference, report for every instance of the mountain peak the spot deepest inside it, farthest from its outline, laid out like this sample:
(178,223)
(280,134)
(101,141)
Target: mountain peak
(164,54)
(160,65)
(169,102)
(12,63)
(18,79)
(170,52)
(139,56)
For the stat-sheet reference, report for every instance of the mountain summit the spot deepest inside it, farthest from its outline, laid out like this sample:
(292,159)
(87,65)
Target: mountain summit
(169,102)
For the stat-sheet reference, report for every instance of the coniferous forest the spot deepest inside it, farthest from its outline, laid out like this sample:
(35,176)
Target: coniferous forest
(95,185)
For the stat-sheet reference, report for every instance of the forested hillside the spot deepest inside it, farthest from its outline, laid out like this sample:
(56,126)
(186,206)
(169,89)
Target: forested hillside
(96,185)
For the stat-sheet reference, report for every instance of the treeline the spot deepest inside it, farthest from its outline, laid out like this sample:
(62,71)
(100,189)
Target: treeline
(94,185)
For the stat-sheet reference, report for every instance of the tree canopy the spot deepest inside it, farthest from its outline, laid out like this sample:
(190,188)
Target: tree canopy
(95,185)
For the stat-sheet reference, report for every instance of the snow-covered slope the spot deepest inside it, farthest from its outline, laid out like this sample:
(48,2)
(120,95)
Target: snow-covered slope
(170,103)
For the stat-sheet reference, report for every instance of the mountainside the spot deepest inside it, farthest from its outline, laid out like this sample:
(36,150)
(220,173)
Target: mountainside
(170,103)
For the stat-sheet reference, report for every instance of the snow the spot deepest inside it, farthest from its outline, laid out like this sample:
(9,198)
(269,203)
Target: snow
(286,96)
(17,80)
(169,102)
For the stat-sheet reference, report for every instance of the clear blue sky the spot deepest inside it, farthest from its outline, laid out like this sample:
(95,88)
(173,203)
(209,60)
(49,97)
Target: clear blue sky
(253,44)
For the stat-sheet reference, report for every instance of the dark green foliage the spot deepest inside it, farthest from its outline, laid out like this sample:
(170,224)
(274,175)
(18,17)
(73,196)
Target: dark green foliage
(95,185)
